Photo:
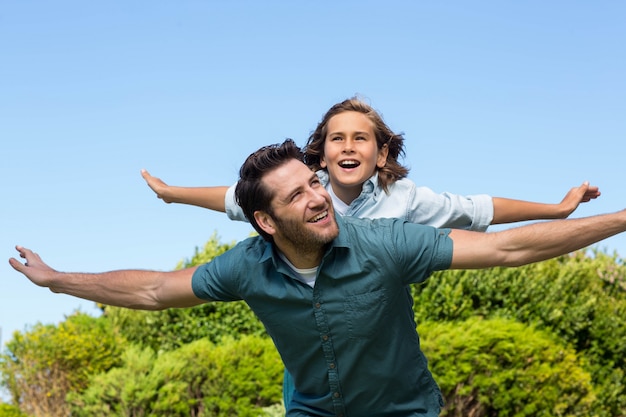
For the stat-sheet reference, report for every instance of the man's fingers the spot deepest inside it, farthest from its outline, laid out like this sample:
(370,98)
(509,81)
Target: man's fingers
(17,265)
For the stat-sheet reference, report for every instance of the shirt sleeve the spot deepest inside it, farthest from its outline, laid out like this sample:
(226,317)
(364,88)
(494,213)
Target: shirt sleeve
(233,211)
(216,280)
(421,250)
(446,210)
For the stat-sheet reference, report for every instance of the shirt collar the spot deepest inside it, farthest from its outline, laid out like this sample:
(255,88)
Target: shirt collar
(270,253)
(341,241)
(369,186)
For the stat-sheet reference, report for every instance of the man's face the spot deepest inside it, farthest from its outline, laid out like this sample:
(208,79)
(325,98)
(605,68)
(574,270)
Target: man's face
(302,213)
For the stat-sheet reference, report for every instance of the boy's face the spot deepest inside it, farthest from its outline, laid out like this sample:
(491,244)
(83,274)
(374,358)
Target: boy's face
(351,153)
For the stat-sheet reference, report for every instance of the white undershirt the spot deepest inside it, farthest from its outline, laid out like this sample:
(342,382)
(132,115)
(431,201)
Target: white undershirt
(306,275)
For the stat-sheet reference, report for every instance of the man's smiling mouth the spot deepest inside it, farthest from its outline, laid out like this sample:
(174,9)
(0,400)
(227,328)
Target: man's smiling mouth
(319,217)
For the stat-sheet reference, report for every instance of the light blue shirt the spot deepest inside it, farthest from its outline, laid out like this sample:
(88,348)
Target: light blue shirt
(350,342)
(405,201)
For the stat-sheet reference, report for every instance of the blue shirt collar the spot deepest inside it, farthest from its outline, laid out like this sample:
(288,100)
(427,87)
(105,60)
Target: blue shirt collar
(369,186)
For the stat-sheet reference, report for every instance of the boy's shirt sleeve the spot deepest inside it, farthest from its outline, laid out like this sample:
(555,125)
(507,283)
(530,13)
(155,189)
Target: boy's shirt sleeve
(233,211)
(447,210)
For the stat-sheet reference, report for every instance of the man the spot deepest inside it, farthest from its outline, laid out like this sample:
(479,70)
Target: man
(330,291)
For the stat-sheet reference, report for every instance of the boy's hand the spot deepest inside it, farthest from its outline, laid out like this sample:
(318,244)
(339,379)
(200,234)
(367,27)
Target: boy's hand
(159,187)
(577,195)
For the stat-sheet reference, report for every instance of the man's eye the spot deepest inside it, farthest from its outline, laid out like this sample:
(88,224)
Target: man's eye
(295,195)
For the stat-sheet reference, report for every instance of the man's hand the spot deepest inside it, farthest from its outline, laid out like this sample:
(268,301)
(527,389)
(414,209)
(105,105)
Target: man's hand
(34,268)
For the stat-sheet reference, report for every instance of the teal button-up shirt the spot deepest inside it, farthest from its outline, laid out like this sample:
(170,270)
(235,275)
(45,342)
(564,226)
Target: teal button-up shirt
(350,342)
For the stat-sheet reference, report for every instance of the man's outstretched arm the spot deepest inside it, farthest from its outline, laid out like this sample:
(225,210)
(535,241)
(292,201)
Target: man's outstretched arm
(532,243)
(137,289)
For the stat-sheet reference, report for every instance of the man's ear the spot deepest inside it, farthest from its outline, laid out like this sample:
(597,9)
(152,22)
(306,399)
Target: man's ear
(265,222)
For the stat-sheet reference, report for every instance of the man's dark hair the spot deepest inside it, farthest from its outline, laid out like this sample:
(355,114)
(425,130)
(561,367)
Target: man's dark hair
(250,193)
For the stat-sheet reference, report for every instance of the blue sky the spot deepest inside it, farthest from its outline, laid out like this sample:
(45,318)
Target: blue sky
(514,99)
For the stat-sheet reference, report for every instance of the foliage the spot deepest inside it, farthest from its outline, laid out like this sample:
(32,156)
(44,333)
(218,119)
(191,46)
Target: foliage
(504,368)
(127,390)
(46,363)
(578,297)
(7,410)
(275,410)
(248,370)
(170,329)
(211,249)
(173,328)
(236,377)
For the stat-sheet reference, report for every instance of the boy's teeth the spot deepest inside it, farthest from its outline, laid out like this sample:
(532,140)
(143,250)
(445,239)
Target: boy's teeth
(349,163)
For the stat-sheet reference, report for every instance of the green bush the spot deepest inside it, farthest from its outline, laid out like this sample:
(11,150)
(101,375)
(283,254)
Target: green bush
(128,390)
(249,371)
(7,410)
(579,297)
(173,328)
(237,377)
(503,368)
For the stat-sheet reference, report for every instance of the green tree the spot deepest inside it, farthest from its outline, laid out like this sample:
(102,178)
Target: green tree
(44,364)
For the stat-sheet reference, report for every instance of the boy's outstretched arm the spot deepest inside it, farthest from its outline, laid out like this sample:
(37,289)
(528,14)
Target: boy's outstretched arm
(509,211)
(211,198)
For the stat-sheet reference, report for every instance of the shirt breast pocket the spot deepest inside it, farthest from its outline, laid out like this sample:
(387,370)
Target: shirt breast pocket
(365,314)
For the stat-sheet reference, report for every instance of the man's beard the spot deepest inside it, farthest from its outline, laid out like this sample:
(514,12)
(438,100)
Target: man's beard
(304,239)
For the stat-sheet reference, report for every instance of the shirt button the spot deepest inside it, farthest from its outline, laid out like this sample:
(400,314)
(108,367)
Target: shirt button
(325,337)
(331,366)
(317,305)
(336,395)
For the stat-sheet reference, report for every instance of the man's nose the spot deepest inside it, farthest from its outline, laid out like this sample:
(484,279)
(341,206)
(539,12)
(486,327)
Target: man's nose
(316,198)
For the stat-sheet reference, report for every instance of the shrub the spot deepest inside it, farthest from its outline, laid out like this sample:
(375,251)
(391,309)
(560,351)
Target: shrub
(201,379)
(579,297)
(503,368)
(7,410)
